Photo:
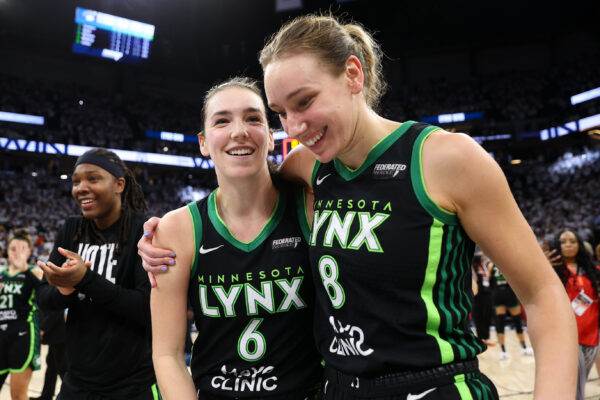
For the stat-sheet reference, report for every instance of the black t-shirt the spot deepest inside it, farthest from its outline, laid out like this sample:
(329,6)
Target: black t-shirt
(108,320)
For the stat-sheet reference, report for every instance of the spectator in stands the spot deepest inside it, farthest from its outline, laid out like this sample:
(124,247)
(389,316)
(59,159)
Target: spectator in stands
(580,276)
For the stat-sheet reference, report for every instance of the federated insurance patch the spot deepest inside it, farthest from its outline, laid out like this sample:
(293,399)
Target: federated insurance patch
(389,171)
(286,243)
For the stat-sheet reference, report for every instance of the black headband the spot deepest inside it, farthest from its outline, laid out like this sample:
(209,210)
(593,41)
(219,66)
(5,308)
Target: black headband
(102,162)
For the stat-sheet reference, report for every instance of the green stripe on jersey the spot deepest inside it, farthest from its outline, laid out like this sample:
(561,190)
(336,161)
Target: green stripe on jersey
(197,224)
(461,386)
(313,175)
(418,181)
(453,298)
(436,234)
(32,317)
(268,228)
(300,195)
(447,282)
(155,392)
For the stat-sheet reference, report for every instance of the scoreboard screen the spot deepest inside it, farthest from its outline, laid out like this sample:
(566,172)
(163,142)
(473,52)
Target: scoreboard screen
(108,36)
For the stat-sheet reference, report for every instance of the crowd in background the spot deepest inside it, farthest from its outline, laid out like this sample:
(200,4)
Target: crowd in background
(553,193)
(511,102)
(552,196)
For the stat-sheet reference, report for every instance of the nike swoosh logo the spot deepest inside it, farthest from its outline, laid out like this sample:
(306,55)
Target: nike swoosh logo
(320,180)
(204,251)
(22,333)
(420,395)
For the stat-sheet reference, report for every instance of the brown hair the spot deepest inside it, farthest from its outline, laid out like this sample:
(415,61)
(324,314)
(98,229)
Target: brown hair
(332,42)
(244,83)
(237,81)
(21,234)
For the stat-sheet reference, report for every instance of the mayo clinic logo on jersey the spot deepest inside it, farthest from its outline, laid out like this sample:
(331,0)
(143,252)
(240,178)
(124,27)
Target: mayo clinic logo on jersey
(7,315)
(389,171)
(254,379)
(348,340)
(286,243)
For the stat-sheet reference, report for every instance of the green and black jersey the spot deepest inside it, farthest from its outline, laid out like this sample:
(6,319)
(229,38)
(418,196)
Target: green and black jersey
(253,305)
(19,330)
(392,268)
(17,296)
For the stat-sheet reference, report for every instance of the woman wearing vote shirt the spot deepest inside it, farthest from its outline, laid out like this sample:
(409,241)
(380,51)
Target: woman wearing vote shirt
(103,285)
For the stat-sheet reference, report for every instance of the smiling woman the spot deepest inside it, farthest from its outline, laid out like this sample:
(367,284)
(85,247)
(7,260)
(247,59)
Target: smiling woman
(102,284)
(393,281)
(396,279)
(247,234)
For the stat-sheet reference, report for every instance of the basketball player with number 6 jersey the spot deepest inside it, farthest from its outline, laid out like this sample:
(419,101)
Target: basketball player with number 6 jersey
(242,261)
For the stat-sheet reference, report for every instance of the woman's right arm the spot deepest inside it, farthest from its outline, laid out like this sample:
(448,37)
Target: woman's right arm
(168,305)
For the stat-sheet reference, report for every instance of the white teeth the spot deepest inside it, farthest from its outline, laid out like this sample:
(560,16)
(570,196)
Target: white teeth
(315,139)
(87,201)
(240,152)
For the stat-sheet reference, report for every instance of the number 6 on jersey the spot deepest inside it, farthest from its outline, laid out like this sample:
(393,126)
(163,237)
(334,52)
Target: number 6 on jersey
(251,335)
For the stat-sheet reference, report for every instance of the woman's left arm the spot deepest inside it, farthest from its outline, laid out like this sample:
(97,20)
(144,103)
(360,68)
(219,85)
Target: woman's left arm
(461,177)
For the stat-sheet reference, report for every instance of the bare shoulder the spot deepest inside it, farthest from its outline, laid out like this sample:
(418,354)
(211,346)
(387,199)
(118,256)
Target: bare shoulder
(173,227)
(298,166)
(452,147)
(455,165)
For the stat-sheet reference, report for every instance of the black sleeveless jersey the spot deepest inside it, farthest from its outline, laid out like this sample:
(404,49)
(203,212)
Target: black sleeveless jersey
(253,305)
(17,296)
(392,268)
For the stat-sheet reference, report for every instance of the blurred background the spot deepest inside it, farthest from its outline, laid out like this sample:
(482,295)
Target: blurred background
(521,77)
(130,75)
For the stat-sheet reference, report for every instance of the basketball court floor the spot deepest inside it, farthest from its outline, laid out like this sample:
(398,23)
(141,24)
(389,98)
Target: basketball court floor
(513,377)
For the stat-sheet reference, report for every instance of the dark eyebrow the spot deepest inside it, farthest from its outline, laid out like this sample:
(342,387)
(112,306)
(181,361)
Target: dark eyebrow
(217,113)
(252,110)
(246,110)
(289,96)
